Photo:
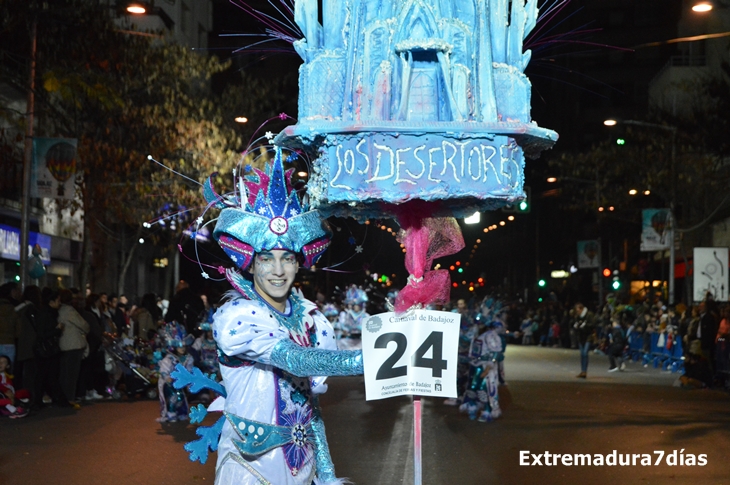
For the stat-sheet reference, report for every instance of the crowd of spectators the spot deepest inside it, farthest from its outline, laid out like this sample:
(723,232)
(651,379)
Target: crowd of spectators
(640,331)
(62,348)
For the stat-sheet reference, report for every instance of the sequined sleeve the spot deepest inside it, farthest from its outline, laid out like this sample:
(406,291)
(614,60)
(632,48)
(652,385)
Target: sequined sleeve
(323,460)
(306,362)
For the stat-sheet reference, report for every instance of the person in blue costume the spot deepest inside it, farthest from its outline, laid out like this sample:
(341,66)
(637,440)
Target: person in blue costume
(206,350)
(481,398)
(275,348)
(173,402)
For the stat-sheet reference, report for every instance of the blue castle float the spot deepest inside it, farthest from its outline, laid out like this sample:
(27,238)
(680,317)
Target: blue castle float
(415,100)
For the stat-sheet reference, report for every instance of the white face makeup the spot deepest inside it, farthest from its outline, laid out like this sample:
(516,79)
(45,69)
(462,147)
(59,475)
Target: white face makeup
(273,275)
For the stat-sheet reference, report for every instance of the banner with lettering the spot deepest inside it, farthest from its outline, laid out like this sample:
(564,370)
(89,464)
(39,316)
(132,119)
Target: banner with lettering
(395,168)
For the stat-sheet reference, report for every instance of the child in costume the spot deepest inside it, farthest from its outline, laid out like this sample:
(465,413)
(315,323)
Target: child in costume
(275,347)
(173,403)
(9,397)
(482,397)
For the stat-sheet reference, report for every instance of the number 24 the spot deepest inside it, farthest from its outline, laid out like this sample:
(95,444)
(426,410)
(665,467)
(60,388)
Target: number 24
(436,363)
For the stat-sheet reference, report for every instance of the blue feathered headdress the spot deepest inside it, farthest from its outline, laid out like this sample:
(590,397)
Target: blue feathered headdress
(266,214)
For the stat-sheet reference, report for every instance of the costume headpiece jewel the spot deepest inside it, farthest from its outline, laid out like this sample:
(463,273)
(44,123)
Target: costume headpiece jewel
(264,214)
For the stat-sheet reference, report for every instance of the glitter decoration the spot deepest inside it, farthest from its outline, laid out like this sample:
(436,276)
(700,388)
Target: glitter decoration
(305,362)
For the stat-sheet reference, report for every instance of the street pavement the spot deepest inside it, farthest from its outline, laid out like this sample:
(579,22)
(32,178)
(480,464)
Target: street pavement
(546,409)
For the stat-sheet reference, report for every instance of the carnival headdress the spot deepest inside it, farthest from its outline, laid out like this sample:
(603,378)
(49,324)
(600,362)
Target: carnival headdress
(175,336)
(264,214)
(356,295)
(330,310)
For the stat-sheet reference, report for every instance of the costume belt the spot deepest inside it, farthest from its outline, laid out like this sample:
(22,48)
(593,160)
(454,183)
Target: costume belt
(257,438)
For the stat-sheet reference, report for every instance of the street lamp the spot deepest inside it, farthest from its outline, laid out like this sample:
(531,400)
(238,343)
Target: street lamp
(610,122)
(473,219)
(241,119)
(702,7)
(136,9)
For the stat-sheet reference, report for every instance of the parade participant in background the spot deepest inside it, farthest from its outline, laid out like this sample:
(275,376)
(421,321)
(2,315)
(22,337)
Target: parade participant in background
(332,312)
(584,324)
(481,397)
(467,333)
(353,317)
(173,403)
(206,350)
(275,346)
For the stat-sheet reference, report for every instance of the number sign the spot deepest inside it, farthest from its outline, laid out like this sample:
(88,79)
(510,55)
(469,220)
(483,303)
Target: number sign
(411,354)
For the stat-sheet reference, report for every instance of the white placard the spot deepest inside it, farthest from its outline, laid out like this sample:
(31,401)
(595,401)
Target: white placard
(711,273)
(411,354)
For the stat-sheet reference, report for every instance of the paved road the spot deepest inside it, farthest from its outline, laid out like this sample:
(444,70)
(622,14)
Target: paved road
(545,409)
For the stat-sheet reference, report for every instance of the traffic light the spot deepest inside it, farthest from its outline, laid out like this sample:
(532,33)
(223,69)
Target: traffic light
(523,206)
(616,285)
(541,283)
(607,272)
(620,141)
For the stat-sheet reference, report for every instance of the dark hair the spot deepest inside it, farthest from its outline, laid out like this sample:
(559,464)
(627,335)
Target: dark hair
(66,296)
(10,362)
(48,295)
(91,300)
(7,289)
(149,301)
(32,294)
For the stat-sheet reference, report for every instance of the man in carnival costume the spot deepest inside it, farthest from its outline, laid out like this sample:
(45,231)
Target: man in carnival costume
(275,347)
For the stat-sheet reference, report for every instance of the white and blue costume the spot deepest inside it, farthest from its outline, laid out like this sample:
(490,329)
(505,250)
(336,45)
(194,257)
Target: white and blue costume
(482,391)
(173,402)
(266,360)
(272,431)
